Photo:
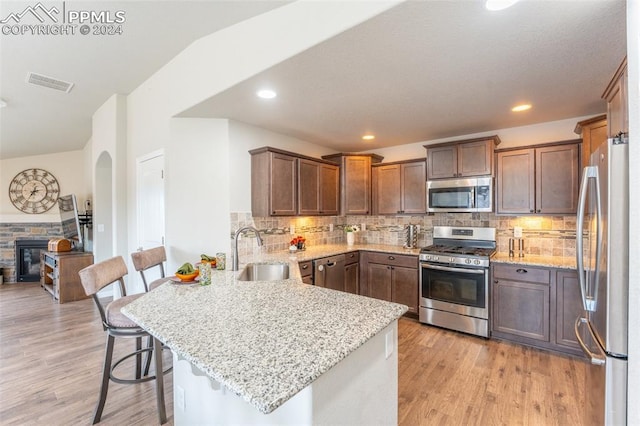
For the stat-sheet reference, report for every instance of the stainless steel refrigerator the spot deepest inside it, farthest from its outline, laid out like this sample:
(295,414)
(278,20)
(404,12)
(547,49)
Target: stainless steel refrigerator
(602,251)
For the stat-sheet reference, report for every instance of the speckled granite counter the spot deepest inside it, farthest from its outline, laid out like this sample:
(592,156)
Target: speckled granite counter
(264,341)
(549,261)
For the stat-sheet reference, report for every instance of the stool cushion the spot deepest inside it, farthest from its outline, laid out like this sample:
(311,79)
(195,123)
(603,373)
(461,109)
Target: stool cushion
(116,318)
(156,283)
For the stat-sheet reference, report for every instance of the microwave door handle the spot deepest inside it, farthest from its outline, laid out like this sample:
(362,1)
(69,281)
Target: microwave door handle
(472,196)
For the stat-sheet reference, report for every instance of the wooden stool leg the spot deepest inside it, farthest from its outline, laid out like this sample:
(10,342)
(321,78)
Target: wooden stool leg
(157,351)
(106,376)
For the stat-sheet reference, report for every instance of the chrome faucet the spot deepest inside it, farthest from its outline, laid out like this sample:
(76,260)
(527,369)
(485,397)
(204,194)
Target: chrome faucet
(234,266)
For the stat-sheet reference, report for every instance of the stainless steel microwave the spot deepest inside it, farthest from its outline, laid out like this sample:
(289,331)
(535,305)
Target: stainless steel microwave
(460,195)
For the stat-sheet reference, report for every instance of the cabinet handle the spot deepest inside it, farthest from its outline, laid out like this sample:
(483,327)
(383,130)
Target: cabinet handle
(495,281)
(521,271)
(539,211)
(530,211)
(392,258)
(305,267)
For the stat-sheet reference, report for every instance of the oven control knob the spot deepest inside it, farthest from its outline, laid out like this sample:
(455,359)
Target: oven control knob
(476,262)
(427,257)
(467,261)
(452,260)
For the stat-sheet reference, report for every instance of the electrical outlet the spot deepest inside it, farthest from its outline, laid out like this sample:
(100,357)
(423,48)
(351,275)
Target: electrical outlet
(363,226)
(517,231)
(179,397)
(417,229)
(292,230)
(331,227)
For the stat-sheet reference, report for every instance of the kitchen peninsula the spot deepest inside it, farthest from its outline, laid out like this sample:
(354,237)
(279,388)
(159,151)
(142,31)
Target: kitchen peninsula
(276,352)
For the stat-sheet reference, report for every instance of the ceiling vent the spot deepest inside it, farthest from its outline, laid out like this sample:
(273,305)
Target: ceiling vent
(52,83)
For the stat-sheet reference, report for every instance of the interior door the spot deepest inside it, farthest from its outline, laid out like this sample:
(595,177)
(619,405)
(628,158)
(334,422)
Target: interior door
(151,205)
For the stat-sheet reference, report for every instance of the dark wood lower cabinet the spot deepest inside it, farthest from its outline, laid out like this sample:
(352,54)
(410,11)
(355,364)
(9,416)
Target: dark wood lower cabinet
(391,277)
(536,306)
(351,278)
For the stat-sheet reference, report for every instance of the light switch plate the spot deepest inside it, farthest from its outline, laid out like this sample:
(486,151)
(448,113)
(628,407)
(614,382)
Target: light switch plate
(331,227)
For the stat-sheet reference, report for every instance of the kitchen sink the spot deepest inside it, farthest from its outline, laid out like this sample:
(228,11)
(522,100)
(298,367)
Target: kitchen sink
(264,272)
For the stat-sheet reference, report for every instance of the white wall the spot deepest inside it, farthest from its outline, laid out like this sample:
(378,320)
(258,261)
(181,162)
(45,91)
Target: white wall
(204,69)
(68,169)
(552,131)
(633,63)
(244,137)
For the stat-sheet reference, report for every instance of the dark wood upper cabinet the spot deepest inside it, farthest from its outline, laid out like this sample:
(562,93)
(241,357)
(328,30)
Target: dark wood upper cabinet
(355,181)
(616,95)
(287,184)
(593,132)
(539,180)
(318,188)
(400,188)
(273,183)
(466,158)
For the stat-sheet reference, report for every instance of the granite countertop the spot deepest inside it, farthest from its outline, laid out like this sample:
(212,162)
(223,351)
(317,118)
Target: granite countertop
(264,341)
(563,262)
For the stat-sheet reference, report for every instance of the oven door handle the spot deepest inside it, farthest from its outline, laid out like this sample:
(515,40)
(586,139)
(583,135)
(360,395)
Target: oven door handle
(446,268)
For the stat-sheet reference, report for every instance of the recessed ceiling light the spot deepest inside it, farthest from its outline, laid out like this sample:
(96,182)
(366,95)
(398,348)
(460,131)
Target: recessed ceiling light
(368,137)
(499,4)
(266,94)
(520,108)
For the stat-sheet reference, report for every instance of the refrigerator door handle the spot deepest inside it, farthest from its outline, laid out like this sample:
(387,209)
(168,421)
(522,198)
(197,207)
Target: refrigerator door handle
(590,172)
(595,359)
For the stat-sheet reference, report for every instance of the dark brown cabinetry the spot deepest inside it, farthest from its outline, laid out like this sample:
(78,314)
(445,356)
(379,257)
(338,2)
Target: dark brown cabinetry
(470,157)
(273,183)
(306,271)
(616,95)
(400,188)
(390,277)
(318,188)
(59,274)
(287,184)
(535,306)
(355,181)
(539,180)
(352,272)
(593,133)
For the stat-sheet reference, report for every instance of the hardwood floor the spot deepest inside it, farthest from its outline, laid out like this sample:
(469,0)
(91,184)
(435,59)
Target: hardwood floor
(51,359)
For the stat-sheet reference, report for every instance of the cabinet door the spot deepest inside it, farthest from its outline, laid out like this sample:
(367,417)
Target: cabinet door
(557,179)
(379,281)
(329,189)
(414,188)
(515,182)
(351,278)
(442,162)
(282,188)
(474,158)
(308,187)
(568,307)
(521,309)
(617,114)
(388,189)
(404,287)
(356,185)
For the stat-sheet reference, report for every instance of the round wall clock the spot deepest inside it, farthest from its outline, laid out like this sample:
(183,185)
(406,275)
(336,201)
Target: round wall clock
(34,191)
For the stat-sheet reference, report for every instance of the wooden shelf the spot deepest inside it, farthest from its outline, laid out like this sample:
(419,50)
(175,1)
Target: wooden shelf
(59,274)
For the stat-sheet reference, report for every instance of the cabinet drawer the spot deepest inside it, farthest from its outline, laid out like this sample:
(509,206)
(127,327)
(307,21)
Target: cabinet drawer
(352,257)
(521,273)
(393,259)
(306,268)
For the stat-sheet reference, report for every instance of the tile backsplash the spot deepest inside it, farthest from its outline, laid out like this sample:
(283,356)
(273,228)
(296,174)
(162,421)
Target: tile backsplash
(544,235)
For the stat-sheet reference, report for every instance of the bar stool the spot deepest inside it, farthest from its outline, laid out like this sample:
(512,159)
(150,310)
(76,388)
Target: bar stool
(144,260)
(94,278)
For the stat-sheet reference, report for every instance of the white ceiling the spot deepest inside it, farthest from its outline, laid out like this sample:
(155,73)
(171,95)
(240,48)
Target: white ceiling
(420,71)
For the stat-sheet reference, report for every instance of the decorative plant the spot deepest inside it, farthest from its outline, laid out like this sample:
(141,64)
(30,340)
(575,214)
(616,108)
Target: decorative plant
(351,228)
(298,242)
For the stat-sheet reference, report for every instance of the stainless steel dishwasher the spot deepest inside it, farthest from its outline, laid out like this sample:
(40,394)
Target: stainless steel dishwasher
(329,272)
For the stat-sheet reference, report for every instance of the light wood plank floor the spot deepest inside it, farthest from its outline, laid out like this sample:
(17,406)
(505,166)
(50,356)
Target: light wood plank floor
(51,359)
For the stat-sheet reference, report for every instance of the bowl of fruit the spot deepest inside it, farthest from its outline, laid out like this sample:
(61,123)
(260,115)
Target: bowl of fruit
(207,259)
(187,272)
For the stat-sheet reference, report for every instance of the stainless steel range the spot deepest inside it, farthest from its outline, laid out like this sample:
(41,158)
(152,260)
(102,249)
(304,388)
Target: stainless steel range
(454,279)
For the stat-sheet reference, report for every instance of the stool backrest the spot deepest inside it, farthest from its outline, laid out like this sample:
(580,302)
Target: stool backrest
(146,259)
(96,277)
